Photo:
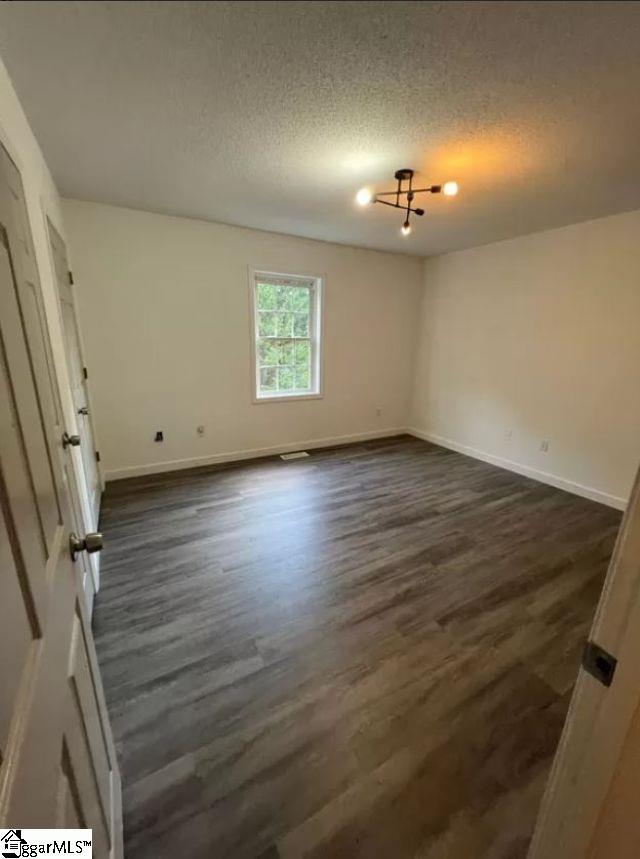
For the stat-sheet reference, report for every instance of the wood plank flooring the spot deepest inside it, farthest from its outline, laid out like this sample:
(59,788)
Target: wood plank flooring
(366,653)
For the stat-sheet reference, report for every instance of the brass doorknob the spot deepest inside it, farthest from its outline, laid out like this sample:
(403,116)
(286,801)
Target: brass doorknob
(67,440)
(92,542)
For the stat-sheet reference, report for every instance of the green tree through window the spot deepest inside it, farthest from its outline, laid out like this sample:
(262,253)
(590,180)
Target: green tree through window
(284,337)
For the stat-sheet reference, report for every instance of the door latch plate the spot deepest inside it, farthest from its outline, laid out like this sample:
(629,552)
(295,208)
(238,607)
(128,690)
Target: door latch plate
(599,663)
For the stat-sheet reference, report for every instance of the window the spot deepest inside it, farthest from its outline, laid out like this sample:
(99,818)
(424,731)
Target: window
(286,317)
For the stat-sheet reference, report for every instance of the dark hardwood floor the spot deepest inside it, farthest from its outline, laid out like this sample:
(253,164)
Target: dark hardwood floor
(366,653)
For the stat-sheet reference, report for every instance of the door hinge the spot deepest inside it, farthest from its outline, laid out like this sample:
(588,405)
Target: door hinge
(85,372)
(70,274)
(597,662)
(97,456)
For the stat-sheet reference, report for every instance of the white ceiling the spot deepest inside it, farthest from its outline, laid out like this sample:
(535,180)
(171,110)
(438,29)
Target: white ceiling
(272,114)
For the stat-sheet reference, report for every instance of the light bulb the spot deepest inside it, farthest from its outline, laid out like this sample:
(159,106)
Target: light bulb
(406,228)
(450,189)
(364,197)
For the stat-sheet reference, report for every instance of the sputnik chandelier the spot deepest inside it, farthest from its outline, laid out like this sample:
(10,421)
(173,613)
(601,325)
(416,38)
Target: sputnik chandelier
(404,196)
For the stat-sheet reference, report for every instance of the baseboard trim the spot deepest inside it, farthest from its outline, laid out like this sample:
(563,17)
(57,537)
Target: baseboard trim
(525,470)
(239,455)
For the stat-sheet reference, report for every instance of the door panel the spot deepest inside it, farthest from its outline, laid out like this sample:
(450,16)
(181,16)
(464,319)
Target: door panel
(26,403)
(85,781)
(57,762)
(23,518)
(17,619)
(69,812)
(85,700)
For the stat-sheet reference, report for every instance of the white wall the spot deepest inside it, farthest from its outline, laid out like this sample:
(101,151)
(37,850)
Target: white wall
(539,336)
(42,201)
(164,304)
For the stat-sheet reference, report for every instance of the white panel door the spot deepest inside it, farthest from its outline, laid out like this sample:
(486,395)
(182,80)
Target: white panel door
(77,371)
(57,760)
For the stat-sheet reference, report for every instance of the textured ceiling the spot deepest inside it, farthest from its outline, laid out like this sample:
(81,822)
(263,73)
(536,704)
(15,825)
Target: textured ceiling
(273,114)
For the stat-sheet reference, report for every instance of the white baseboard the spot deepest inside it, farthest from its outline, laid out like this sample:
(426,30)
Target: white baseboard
(239,455)
(255,453)
(525,470)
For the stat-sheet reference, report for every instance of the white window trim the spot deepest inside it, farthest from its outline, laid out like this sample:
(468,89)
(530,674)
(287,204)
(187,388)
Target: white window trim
(317,351)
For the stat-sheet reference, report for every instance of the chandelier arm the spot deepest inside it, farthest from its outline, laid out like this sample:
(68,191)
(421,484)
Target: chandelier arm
(387,203)
(433,189)
(398,206)
(409,198)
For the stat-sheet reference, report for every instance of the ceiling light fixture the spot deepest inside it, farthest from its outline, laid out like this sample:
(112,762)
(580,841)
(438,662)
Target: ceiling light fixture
(365,196)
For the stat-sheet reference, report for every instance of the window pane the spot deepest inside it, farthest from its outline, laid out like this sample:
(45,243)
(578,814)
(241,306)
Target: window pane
(267,324)
(267,296)
(303,378)
(285,324)
(285,353)
(283,297)
(285,378)
(302,353)
(301,325)
(269,379)
(267,352)
(299,298)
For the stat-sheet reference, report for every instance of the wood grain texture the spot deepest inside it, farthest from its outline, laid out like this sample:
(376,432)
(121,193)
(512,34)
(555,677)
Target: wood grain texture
(366,653)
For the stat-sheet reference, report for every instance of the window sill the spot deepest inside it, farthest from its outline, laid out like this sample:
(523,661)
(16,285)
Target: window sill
(285,398)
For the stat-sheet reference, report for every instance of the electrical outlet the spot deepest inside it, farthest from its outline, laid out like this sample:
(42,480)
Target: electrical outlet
(509,433)
(544,446)
(200,429)
(379,411)
(159,436)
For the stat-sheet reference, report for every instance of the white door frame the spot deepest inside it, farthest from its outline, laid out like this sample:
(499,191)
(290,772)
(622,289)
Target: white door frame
(599,717)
